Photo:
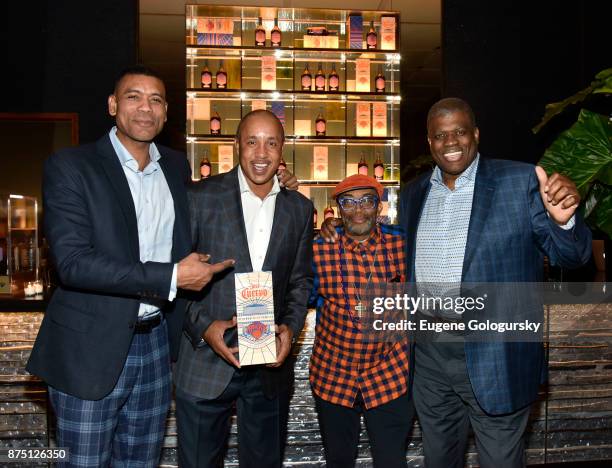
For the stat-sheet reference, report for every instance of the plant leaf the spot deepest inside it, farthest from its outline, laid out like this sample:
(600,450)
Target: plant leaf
(556,108)
(583,153)
(605,77)
(601,84)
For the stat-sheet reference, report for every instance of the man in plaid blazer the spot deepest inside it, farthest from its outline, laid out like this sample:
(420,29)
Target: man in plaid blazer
(243,214)
(482,220)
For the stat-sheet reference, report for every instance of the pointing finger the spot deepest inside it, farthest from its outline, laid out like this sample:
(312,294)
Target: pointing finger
(218,267)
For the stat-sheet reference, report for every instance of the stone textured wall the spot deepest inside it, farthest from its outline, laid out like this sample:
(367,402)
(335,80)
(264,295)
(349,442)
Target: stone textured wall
(572,420)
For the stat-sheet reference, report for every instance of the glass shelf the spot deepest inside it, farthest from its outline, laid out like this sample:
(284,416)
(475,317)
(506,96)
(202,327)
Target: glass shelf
(361,124)
(249,94)
(373,53)
(19,253)
(305,139)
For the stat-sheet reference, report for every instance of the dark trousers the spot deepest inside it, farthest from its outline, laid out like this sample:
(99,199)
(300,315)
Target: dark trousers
(446,407)
(203,425)
(388,428)
(126,427)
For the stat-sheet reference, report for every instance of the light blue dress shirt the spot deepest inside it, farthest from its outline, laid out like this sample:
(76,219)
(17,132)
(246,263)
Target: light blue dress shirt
(443,230)
(154,213)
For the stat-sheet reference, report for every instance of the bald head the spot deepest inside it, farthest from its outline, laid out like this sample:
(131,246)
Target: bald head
(448,106)
(261,114)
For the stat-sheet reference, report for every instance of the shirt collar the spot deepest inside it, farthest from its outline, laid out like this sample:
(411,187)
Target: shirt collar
(370,243)
(126,159)
(244,185)
(466,177)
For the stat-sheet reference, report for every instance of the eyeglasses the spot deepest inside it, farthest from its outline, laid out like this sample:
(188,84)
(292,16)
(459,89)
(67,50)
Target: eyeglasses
(458,133)
(367,203)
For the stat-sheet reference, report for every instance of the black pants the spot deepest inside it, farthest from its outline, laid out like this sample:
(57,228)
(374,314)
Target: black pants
(203,425)
(446,407)
(388,428)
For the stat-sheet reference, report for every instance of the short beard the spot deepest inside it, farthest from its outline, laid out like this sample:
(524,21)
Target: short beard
(360,229)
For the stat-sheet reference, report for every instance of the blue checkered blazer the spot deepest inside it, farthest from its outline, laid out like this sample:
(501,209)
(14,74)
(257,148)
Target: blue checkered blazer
(508,235)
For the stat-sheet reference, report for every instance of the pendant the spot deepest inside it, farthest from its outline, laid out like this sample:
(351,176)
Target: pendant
(360,308)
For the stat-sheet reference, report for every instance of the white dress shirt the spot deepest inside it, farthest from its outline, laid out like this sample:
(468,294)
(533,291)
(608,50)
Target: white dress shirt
(154,213)
(258,216)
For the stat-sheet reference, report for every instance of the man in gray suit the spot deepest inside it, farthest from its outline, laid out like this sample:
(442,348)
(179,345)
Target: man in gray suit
(245,215)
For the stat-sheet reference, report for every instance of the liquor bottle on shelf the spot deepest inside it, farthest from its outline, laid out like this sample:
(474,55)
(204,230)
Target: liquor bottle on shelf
(314,214)
(320,124)
(371,37)
(3,258)
(282,165)
(260,35)
(379,168)
(275,35)
(334,79)
(329,212)
(362,167)
(221,77)
(215,123)
(205,166)
(379,82)
(306,79)
(206,77)
(320,79)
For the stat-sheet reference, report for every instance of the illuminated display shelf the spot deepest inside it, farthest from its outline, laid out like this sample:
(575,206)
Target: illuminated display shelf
(349,111)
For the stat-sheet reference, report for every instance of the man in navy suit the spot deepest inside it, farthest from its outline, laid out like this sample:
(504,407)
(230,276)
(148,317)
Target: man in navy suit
(482,220)
(117,221)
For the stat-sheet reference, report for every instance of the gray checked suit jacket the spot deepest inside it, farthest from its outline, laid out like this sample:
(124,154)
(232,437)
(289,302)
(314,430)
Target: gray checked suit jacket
(218,229)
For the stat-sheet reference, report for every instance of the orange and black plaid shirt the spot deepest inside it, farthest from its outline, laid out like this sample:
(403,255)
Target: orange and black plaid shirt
(343,365)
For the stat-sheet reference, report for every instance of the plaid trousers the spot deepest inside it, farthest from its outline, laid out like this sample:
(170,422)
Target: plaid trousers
(126,427)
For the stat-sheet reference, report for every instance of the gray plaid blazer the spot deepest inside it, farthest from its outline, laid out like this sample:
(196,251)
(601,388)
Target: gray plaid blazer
(218,229)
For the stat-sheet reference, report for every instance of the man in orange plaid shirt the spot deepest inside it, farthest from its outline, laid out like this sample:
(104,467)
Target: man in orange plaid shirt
(351,375)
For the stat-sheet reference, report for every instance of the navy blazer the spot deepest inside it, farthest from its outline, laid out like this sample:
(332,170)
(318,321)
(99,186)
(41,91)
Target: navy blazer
(509,233)
(90,223)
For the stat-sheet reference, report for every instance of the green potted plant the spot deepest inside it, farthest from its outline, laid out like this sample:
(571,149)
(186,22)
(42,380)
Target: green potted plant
(584,153)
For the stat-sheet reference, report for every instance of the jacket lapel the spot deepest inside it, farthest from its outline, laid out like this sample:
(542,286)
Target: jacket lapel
(233,213)
(280,222)
(415,208)
(181,216)
(484,189)
(116,176)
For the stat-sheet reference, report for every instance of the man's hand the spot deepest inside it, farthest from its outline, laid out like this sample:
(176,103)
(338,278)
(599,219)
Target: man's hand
(284,336)
(559,195)
(214,338)
(287,179)
(328,229)
(193,273)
